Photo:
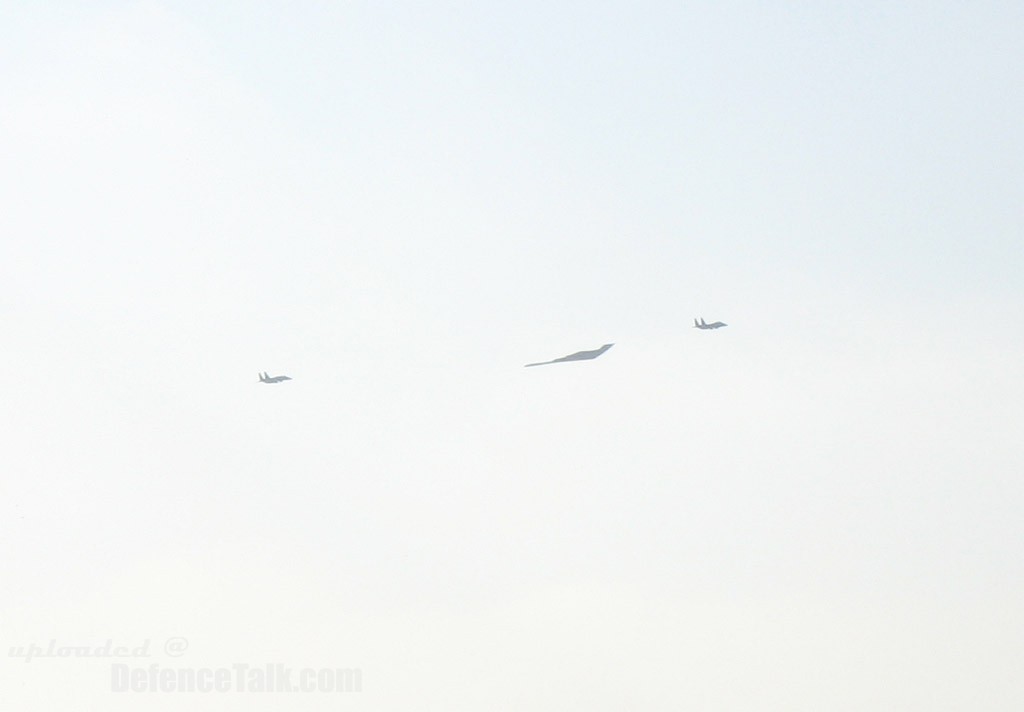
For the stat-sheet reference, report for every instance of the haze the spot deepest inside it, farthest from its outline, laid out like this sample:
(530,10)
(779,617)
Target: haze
(401,204)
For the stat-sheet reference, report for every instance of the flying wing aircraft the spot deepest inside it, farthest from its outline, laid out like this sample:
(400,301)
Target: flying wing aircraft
(704,325)
(264,378)
(578,356)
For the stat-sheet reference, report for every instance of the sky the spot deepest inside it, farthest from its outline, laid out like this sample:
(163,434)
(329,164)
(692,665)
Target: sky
(401,204)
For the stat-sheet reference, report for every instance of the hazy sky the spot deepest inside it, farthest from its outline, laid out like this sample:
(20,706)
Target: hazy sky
(399,204)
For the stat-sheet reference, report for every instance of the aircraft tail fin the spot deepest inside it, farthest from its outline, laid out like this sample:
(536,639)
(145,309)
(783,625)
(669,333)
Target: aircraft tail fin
(702,322)
(695,324)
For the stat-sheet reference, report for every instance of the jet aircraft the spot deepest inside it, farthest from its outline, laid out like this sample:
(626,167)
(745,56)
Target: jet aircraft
(704,325)
(578,356)
(264,378)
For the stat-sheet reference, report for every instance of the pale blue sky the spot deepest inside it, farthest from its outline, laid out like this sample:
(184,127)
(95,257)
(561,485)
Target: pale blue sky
(818,507)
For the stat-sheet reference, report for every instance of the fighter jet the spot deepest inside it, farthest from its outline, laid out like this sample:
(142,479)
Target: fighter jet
(578,356)
(264,378)
(704,325)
